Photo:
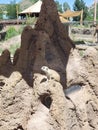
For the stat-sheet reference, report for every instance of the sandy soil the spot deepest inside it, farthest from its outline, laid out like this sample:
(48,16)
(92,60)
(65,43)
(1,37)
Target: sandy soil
(6,44)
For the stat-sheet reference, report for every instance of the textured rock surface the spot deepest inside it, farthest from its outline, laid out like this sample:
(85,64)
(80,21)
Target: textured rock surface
(5,63)
(82,73)
(28,101)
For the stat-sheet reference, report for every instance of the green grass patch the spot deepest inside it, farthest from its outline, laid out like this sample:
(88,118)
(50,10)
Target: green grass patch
(14,47)
(11,32)
(30,20)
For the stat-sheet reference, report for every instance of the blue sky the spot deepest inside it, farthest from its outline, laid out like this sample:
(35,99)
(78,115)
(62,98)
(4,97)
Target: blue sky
(70,2)
(7,1)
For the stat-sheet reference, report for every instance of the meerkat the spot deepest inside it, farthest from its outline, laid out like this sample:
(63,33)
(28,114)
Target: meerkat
(50,73)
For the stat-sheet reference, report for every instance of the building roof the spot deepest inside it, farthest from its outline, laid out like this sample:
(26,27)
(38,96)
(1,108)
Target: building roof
(70,13)
(63,20)
(35,8)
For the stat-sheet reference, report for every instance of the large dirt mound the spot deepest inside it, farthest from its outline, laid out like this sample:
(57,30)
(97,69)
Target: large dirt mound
(29,100)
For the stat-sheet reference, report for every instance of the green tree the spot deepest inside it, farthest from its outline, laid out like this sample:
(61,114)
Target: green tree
(1,14)
(12,10)
(78,6)
(90,16)
(2,11)
(97,13)
(59,6)
(66,6)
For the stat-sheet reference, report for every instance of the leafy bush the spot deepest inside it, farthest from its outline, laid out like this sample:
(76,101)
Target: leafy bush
(11,32)
(30,20)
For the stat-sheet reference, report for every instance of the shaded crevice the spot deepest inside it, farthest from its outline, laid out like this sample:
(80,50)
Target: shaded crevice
(46,100)
(19,128)
(2,84)
(90,125)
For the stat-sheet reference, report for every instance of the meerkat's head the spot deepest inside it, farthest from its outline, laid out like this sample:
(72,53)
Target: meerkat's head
(44,68)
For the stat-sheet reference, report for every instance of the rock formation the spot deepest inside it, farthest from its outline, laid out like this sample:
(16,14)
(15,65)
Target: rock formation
(48,44)
(28,101)
(83,86)
(5,63)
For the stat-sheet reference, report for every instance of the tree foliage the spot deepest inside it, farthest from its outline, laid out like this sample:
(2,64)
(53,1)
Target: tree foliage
(12,9)
(1,15)
(90,16)
(66,6)
(2,11)
(78,6)
(59,7)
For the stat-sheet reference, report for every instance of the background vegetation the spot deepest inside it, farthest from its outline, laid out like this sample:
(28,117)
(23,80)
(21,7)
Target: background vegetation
(11,10)
(11,32)
(80,5)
